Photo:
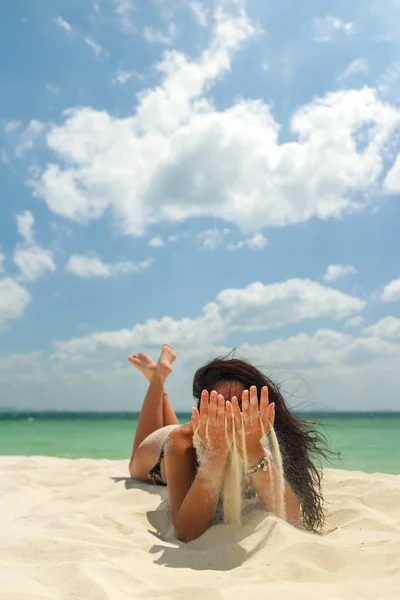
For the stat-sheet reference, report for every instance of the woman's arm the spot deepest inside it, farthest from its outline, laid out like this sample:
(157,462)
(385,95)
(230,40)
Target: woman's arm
(266,485)
(180,465)
(194,496)
(258,418)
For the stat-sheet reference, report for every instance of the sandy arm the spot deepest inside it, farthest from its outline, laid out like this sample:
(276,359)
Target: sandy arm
(193,496)
(266,484)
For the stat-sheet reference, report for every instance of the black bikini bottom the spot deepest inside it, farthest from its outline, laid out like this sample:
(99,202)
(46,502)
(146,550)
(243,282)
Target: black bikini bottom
(155,473)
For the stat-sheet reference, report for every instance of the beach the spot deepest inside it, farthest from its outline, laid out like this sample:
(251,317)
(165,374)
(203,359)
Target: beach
(82,529)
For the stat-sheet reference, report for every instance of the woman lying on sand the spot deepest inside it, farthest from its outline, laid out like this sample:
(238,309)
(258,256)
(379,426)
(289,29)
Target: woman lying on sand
(231,395)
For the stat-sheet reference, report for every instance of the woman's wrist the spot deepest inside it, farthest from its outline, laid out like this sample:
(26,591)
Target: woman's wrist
(255,454)
(213,461)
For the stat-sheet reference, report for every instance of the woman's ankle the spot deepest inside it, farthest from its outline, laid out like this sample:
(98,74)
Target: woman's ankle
(158,378)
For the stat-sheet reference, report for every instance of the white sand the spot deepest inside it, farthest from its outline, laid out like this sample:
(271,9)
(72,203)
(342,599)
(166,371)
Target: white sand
(69,530)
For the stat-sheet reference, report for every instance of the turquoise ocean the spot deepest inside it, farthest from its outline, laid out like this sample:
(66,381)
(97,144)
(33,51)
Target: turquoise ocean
(368,442)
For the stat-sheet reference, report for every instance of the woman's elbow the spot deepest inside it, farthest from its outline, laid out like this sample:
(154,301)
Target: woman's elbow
(184,533)
(184,537)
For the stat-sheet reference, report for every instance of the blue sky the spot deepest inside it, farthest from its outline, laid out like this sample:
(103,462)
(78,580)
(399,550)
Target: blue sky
(207,174)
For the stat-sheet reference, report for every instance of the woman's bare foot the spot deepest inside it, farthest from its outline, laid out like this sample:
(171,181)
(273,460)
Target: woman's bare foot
(146,365)
(143,363)
(167,357)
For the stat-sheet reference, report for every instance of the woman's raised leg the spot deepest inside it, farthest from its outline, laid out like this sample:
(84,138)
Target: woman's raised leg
(146,365)
(151,416)
(170,417)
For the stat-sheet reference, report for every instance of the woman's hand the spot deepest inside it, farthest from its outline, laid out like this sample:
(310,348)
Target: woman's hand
(213,425)
(255,419)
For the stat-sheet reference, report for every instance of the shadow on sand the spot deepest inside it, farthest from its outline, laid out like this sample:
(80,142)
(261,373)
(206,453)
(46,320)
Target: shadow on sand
(218,549)
(132,484)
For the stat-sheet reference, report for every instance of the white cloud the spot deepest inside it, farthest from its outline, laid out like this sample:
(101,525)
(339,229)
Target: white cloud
(389,327)
(359,65)
(155,242)
(12,126)
(257,307)
(199,12)
(2,259)
(52,89)
(93,266)
(392,180)
(256,242)
(344,373)
(63,24)
(28,137)
(95,47)
(182,140)
(354,322)
(325,347)
(25,222)
(123,77)
(391,291)
(202,331)
(32,260)
(261,307)
(212,238)
(84,191)
(325,28)
(335,272)
(125,11)
(13,300)
(154,36)
(336,371)
(87,266)
(19,362)
(387,83)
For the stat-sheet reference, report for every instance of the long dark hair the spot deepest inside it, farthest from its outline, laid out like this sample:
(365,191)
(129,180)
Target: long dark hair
(298,439)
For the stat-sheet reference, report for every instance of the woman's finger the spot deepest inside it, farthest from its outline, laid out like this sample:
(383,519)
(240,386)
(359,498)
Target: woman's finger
(254,413)
(271,413)
(238,422)
(195,419)
(229,420)
(221,413)
(212,411)
(264,408)
(237,415)
(203,413)
(204,404)
(245,408)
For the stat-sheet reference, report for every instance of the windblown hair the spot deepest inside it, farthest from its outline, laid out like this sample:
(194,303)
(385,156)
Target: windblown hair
(298,439)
